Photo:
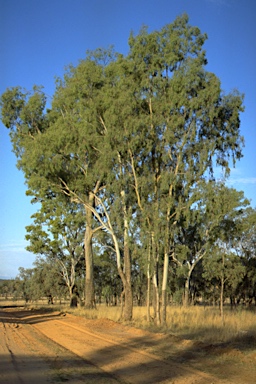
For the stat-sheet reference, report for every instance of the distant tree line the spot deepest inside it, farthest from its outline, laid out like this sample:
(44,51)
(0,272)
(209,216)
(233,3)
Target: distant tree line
(121,165)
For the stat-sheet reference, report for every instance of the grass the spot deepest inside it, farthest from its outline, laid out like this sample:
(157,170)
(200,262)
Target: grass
(203,323)
(195,323)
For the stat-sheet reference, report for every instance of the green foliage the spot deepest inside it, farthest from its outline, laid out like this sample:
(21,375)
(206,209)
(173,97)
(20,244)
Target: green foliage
(228,266)
(44,280)
(7,288)
(57,234)
(107,282)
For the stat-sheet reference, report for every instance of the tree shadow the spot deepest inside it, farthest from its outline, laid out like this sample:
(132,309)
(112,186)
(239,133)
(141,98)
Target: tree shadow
(29,316)
(30,370)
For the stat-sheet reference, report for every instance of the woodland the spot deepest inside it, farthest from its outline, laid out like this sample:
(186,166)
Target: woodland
(121,165)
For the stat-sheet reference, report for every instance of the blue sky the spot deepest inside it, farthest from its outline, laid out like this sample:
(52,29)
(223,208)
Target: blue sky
(40,37)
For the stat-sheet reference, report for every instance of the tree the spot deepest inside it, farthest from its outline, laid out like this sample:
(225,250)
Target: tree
(107,281)
(245,246)
(7,288)
(215,206)
(46,281)
(225,268)
(57,234)
(224,265)
(177,109)
(135,133)
(54,149)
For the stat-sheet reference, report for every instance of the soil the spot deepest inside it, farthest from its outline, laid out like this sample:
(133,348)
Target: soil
(38,347)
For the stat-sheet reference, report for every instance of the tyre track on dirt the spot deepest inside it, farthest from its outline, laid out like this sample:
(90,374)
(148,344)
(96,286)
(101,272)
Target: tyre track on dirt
(119,357)
(27,356)
(6,349)
(17,352)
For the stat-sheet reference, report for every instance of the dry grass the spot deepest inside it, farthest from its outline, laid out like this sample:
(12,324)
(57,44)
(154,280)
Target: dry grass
(21,303)
(197,322)
(101,312)
(205,324)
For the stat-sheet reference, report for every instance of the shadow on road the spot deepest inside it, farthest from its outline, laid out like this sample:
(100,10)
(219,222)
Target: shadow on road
(28,316)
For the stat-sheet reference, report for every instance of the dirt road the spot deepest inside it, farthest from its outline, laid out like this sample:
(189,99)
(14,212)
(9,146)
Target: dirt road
(42,347)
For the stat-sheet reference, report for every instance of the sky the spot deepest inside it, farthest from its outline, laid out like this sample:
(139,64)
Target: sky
(39,38)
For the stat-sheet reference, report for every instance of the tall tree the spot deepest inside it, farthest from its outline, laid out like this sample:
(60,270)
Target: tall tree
(176,123)
(136,132)
(58,150)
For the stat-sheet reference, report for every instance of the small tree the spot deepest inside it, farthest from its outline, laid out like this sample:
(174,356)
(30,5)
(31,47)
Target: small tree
(57,234)
(245,246)
(216,209)
(226,268)
(46,281)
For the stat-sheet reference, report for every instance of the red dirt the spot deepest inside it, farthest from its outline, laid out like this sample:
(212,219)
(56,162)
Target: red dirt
(41,347)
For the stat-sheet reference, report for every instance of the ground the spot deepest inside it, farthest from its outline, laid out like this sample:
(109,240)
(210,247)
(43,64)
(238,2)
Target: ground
(38,346)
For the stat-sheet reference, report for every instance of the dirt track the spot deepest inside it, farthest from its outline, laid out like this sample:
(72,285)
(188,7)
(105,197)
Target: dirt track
(42,347)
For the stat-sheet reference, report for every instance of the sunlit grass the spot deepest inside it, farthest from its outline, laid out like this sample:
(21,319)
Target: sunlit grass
(100,312)
(15,302)
(205,323)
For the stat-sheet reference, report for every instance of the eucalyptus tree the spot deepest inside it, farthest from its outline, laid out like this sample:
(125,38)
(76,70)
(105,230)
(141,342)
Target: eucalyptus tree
(226,269)
(177,124)
(47,282)
(215,206)
(58,149)
(246,240)
(108,284)
(57,234)
(223,264)
(65,150)
(245,246)
(24,284)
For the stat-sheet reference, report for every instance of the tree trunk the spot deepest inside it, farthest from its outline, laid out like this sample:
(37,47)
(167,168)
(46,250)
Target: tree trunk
(70,295)
(128,303)
(186,292)
(187,282)
(148,281)
(89,280)
(166,263)
(156,302)
(72,284)
(125,272)
(222,299)
(187,287)
(148,297)
(164,287)
(222,282)
(156,299)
